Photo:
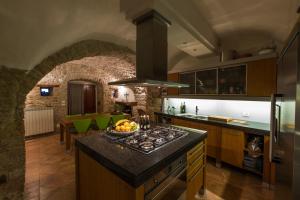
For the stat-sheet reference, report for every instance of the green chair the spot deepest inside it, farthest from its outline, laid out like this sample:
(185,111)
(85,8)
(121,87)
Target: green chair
(116,118)
(81,126)
(103,122)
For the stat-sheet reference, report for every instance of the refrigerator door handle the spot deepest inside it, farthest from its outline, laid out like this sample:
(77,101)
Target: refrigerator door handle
(277,125)
(274,125)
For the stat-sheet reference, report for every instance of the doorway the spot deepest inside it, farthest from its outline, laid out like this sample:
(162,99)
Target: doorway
(82,97)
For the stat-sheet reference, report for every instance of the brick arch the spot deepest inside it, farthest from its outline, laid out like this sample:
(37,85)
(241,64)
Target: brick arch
(86,48)
(79,50)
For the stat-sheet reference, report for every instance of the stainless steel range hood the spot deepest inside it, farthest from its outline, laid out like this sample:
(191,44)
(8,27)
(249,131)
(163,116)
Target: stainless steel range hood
(151,53)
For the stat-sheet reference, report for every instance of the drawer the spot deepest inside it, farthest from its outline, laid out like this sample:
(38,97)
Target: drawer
(194,184)
(193,167)
(194,153)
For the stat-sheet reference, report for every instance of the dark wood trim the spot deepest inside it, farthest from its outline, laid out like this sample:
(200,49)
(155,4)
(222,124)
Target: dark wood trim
(53,85)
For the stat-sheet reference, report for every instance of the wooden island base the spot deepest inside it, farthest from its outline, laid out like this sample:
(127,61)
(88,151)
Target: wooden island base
(94,182)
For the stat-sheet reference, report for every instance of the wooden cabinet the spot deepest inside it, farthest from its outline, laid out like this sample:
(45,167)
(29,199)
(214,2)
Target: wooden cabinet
(261,77)
(181,122)
(187,78)
(232,80)
(174,78)
(196,161)
(213,137)
(94,182)
(206,81)
(254,78)
(232,147)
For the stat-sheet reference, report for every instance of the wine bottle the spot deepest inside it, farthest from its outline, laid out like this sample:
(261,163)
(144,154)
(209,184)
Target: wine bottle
(142,122)
(148,122)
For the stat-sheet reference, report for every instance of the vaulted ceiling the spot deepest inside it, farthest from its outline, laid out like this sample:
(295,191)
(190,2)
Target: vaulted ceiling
(32,30)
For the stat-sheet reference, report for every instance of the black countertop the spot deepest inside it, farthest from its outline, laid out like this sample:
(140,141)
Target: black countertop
(132,166)
(250,127)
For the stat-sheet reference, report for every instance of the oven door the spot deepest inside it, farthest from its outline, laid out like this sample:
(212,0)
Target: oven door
(171,188)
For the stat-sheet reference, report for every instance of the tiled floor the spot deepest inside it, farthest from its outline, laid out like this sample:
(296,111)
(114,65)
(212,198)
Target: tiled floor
(50,175)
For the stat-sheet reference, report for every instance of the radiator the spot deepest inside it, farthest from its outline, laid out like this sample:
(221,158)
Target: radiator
(38,121)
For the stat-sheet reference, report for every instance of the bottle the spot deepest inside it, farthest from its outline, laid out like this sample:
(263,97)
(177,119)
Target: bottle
(183,107)
(148,122)
(142,122)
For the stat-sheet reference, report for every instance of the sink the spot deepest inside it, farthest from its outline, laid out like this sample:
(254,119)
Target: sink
(193,116)
(200,117)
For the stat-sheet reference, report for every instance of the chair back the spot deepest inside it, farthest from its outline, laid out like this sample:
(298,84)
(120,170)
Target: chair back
(116,118)
(82,125)
(103,122)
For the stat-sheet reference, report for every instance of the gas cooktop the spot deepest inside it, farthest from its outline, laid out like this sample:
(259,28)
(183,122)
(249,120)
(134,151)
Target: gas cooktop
(147,141)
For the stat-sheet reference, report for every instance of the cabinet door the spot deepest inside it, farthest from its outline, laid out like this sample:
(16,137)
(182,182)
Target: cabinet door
(232,147)
(180,122)
(187,78)
(194,185)
(232,80)
(213,137)
(206,82)
(261,77)
(174,78)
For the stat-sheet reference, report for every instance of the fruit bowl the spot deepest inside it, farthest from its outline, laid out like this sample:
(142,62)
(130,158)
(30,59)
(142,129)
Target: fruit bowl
(124,127)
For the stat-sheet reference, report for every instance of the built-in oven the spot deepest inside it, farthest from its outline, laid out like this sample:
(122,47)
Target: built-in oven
(169,183)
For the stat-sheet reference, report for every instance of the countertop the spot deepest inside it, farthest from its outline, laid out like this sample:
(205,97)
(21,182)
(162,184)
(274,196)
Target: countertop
(132,166)
(250,127)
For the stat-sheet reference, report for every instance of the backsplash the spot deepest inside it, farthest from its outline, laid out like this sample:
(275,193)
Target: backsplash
(257,111)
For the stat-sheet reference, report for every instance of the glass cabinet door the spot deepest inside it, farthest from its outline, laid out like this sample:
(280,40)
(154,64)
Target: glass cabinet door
(232,80)
(206,82)
(187,78)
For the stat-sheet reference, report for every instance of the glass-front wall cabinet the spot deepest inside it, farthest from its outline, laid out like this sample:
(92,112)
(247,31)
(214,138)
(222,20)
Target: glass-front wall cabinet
(206,82)
(187,78)
(232,80)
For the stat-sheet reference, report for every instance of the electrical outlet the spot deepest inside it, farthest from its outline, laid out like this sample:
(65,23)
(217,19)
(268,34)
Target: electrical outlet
(245,114)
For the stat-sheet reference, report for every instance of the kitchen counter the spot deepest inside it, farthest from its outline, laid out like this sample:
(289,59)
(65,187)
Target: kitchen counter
(250,127)
(132,166)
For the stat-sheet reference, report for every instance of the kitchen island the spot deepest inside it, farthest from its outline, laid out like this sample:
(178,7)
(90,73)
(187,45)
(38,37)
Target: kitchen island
(107,169)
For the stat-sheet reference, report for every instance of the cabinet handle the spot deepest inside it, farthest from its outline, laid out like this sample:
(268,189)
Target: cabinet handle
(201,157)
(196,149)
(198,171)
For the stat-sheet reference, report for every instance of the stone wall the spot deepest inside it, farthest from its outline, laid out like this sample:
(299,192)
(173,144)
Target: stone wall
(99,70)
(11,138)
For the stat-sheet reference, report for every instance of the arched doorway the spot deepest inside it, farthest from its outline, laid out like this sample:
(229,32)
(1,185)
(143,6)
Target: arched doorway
(82,97)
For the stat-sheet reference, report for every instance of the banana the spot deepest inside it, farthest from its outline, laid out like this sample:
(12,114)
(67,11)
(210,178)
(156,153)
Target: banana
(122,121)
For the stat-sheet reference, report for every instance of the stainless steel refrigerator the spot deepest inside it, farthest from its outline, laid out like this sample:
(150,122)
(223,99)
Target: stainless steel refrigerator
(285,124)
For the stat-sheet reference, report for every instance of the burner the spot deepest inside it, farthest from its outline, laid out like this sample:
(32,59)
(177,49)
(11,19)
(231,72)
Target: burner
(144,135)
(149,140)
(170,136)
(132,141)
(147,145)
(159,141)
